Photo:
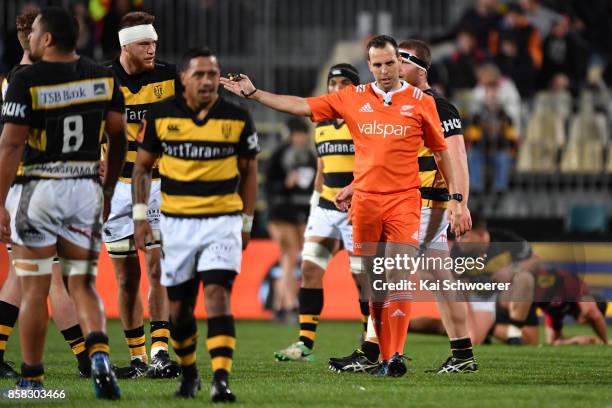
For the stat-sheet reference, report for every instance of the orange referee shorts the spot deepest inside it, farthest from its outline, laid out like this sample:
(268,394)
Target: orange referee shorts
(377,218)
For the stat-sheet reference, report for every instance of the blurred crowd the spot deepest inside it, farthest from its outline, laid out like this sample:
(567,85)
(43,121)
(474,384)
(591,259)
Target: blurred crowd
(98,23)
(531,78)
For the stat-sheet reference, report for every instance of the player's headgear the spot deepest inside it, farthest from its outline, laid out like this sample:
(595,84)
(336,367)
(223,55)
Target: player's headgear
(345,70)
(413,59)
(137,33)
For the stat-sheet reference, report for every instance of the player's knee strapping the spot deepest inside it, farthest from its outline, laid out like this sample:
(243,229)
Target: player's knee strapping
(184,342)
(311,305)
(221,342)
(74,267)
(33,267)
(122,248)
(356,264)
(317,254)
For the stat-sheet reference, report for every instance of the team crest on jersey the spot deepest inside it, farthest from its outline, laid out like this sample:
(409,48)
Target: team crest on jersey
(226,130)
(406,110)
(546,281)
(158,90)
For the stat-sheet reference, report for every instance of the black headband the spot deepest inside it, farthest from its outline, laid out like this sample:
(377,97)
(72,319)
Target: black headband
(414,59)
(344,70)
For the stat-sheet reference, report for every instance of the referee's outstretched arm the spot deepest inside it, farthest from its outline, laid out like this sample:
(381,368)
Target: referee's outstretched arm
(242,86)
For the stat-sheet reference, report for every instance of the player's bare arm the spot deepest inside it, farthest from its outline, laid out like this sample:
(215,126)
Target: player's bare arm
(12,143)
(589,311)
(141,187)
(247,167)
(318,183)
(115,156)
(456,148)
(457,222)
(242,86)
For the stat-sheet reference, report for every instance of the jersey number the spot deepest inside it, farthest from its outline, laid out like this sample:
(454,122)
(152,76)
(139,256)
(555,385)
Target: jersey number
(73,133)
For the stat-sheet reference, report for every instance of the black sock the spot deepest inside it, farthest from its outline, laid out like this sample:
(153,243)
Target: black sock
(221,342)
(364,307)
(32,372)
(184,342)
(8,317)
(462,348)
(97,342)
(371,350)
(74,337)
(311,304)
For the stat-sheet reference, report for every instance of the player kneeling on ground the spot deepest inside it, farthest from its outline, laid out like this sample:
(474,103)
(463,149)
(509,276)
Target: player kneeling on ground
(206,149)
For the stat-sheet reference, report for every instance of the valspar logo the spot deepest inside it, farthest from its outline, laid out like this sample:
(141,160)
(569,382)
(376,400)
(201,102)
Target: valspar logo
(382,129)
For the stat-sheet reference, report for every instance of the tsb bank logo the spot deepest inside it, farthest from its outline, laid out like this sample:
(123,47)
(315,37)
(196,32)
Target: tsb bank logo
(382,129)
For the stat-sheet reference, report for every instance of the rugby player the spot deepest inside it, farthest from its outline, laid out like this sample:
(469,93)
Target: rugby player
(389,119)
(327,226)
(144,82)
(207,161)
(62,307)
(416,60)
(557,293)
(61,106)
(508,258)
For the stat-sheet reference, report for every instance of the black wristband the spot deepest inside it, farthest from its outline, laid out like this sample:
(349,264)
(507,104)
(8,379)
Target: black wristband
(249,94)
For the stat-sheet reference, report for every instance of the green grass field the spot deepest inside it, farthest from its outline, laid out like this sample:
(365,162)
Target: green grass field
(509,376)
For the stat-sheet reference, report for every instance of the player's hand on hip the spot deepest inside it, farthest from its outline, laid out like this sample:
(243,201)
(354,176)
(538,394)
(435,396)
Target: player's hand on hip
(238,84)
(344,197)
(142,234)
(246,238)
(5,225)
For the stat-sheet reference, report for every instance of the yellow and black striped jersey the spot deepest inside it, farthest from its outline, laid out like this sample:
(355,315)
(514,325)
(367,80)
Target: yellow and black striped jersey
(433,188)
(65,106)
(198,161)
(140,92)
(334,144)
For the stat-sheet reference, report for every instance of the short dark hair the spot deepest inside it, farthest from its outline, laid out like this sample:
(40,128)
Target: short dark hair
(381,41)
(24,26)
(192,53)
(297,125)
(135,18)
(63,27)
(421,49)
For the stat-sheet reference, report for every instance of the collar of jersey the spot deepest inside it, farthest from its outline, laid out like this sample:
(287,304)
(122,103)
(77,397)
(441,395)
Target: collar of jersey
(200,122)
(390,93)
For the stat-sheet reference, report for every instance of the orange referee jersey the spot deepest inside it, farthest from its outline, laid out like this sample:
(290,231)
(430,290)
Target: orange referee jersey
(387,137)
(388,129)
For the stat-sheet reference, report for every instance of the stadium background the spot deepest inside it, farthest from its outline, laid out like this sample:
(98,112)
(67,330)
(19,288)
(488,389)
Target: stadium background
(558,188)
